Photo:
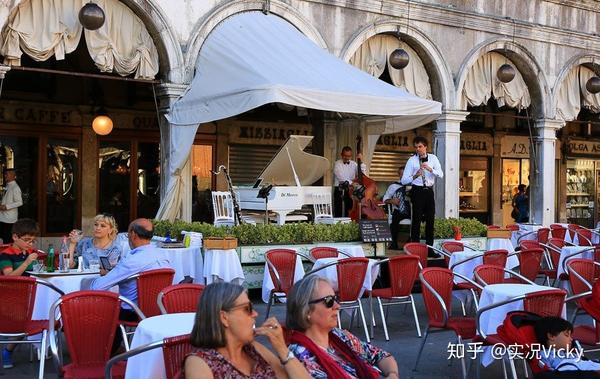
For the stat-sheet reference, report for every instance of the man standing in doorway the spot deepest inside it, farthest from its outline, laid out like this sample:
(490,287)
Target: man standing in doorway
(11,201)
(344,172)
(420,171)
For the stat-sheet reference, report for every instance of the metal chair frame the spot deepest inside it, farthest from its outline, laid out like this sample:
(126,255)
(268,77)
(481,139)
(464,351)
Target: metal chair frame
(273,296)
(573,255)
(511,272)
(313,259)
(577,297)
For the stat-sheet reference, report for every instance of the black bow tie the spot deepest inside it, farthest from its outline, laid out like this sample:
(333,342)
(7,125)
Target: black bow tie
(346,162)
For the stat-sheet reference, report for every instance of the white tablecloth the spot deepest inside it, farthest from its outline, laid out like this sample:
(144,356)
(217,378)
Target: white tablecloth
(150,364)
(352,250)
(567,250)
(186,261)
(330,273)
(223,265)
(500,243)
(468,268)
(268,283)
(45,297)
(496,293)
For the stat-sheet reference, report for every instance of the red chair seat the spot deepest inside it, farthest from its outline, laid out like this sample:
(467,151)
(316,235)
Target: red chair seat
(93,371)
(586,334)
(464,286)
(463,326)
(490,340)
(36,326)
(513,280)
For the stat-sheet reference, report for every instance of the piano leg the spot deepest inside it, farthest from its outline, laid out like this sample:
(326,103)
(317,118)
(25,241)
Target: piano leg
(281,217)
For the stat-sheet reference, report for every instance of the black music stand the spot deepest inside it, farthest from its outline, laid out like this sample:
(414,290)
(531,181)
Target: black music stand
(263,193)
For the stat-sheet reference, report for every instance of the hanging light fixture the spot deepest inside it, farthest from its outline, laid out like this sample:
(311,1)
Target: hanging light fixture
(102,125)
(399,58)
(593,83)
(506,73)
(91,16)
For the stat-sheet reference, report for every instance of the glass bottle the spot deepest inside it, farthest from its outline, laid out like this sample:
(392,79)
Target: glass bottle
(50,258)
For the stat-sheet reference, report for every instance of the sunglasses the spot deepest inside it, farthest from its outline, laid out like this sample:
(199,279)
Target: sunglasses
(328,300)
(248,307)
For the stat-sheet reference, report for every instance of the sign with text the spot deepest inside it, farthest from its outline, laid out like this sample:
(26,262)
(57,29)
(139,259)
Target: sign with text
(402,142)
(476,144)
(583,147)
(265,133)
(372,231)
(515,147)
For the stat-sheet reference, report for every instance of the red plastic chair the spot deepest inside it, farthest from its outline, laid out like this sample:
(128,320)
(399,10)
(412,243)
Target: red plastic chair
(530,261)
(542,235)
(149,285)
(590,302)
(547,303)
(351,274)
(175,349)
(496,257)
(282,267)
(451,247)
(420,250)
(513,227)
(437,295)
(558,231)
(492,274)
(530,244)
(18,300)
(323,252)
(557,243)
(403,273)
(89,323)
(179,298)
(581,278)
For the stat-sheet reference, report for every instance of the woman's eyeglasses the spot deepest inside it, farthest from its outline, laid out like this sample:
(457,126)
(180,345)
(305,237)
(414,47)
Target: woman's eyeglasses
(329,300)
(248,307)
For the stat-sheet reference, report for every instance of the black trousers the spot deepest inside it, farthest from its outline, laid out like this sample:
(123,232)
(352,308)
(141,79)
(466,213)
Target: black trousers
(341,199)
(6,232)
(423,209)
(395,228)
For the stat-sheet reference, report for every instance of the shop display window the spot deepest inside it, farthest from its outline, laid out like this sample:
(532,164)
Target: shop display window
(148,179)
(581,191)
(514,172)
(62,178)
(21,153)
(474,188)
(202,163)
(115,182)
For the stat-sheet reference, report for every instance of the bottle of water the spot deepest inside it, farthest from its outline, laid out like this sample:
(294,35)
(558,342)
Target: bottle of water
(50,259)
(63,263)
(168,236)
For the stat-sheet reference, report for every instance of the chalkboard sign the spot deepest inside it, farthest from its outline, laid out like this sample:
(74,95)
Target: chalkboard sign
(375,231)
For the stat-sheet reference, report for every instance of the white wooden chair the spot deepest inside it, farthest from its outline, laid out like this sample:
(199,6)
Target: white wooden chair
(324,210)
(222,203)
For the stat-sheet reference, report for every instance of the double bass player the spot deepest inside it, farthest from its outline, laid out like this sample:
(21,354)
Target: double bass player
(344,172)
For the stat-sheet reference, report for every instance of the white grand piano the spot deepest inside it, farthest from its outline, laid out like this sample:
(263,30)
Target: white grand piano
(290,171)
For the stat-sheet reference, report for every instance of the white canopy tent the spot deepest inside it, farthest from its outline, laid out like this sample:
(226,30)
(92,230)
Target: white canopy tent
(251,59)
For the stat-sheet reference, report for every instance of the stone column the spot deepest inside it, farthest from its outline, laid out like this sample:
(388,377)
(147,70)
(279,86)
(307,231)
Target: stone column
(167,94)
(446,147)
(543,190)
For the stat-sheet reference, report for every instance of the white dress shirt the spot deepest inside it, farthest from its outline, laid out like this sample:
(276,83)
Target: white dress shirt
(345,172)
(428,178)
(12,200)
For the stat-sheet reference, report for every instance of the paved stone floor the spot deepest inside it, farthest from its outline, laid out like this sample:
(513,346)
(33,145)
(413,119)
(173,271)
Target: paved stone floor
(403,344)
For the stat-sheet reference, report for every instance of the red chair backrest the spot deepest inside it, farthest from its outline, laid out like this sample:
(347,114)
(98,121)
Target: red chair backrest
(182,298)
(547,303)
(90,320)
(558,243)
(489,274)
(583,267)
(149,285)
(451,247)
(542,235)
(496,257)
(572,228)
(18,298)
(284,261)
(597,259)
(530,261)
(584,236)
(530,244)
(175,349)
(441,280)
(558,231)
(351,276)
(418,249)
(323,252)
(591,305)
(512,227)
(403,273)
(493,227)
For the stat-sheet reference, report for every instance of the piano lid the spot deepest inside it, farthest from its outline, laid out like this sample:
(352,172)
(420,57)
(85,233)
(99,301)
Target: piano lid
(291,159)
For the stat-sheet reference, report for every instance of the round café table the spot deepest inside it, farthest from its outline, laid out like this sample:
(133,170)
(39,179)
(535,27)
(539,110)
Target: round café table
(222,265)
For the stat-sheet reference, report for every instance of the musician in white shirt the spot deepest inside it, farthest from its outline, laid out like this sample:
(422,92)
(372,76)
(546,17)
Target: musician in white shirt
(395,195)
(11,201)
(344,172)
(420,171)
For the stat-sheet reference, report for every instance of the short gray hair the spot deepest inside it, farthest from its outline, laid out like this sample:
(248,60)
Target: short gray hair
(208,331)
(298,299)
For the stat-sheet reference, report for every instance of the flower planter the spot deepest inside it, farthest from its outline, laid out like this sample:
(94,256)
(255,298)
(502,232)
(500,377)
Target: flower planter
(479,243)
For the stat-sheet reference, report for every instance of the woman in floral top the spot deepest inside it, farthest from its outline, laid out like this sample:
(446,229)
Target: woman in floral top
(325,351)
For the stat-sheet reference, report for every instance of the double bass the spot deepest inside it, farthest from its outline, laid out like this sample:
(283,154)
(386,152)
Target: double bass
(363,191)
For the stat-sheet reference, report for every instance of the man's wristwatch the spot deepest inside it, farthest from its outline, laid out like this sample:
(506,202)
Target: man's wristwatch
(289,357)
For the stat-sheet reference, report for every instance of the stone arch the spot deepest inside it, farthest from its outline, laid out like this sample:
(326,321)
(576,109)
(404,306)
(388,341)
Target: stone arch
(169,51)
(525,62)
(209,22)
(442,86)
(585,59)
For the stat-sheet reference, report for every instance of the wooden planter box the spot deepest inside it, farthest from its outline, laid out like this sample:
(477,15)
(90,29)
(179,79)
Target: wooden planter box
(499,233)
(214,243)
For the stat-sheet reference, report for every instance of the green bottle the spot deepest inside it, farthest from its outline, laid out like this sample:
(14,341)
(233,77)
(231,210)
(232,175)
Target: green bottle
(50,259)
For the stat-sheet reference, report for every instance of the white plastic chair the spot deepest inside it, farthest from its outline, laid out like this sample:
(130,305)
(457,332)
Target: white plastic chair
(222,203)
(324,210)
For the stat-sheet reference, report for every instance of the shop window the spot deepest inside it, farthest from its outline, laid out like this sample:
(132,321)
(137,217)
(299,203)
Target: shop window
(62,178)
(474,188)
(202,164)
(514,172)
(115,181)
(581,191)
(148,179)
(21,153)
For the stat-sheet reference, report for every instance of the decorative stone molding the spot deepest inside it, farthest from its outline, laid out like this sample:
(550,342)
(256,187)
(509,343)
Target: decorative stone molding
(3,70)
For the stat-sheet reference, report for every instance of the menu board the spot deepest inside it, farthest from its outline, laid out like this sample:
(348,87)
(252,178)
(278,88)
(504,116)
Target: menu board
(375,231)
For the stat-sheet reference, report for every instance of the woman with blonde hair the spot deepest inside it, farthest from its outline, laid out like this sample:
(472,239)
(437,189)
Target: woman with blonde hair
(103,243)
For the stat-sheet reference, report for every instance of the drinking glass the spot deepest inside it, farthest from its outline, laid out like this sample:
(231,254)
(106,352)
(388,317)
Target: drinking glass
(94,265)
(78,235)
(37,266)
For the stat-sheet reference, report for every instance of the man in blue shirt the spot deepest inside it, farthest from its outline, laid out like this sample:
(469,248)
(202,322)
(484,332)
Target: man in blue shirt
(142,257)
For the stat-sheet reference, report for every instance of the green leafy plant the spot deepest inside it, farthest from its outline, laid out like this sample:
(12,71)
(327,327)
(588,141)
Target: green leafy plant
(444,228)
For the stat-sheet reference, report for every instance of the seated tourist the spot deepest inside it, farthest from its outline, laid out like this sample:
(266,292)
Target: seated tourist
(325,351)
(224,337)
(102,244)
(20,256)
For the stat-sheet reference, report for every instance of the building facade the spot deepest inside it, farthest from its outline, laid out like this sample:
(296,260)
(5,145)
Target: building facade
(541,129)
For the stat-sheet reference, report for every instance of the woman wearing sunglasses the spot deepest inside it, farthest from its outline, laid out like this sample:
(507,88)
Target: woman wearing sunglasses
(325,351)
(224,334)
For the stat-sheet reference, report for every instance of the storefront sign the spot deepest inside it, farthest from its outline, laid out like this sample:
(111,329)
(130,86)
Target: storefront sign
(19,114)
(515,147)
(476,144)
(262,133)
(581,147)
(402,142)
